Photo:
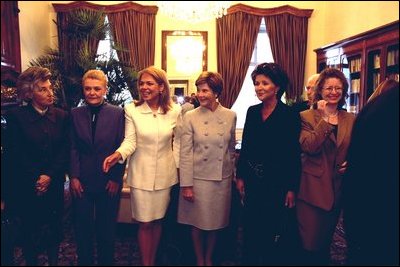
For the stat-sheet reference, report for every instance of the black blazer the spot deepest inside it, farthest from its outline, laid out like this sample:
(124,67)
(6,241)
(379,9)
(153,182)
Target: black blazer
(35,145)
(87,154)
(274,143)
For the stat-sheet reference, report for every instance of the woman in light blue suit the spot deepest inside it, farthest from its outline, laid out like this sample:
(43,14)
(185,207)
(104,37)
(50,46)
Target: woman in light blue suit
(97,130)
(207,159)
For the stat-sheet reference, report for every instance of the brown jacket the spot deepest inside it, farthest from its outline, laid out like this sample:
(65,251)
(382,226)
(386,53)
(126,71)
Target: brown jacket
(324,153)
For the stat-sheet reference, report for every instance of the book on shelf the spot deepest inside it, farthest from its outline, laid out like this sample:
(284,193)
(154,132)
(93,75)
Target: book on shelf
(377,61)
(354,99)
(355,65)
(355,86)
(393,58)
(376,79)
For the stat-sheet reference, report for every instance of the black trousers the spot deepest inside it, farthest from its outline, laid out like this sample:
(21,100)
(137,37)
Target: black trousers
(95,217)
(265,221)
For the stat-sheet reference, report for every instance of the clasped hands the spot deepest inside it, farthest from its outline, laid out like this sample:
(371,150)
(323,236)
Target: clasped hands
(42,184)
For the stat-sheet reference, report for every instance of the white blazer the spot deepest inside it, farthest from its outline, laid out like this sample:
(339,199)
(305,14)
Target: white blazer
(149,141)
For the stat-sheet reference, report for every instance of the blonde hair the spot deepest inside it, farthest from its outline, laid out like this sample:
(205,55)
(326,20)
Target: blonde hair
(95,75)
(28,79)
(160,76)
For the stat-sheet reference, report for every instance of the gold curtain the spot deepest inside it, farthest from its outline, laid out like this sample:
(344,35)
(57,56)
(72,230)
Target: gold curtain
(287,31)
(133,26)
(288,38)
(236,37)
(135,32)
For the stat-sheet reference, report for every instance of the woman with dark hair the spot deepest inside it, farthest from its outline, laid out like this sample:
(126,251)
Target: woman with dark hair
(152,142)
(206,167)
(268,168)
(324,139)
(37,137)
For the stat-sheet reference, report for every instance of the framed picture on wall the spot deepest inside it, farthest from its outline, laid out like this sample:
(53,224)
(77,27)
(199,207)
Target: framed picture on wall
(179,87)
(184,53)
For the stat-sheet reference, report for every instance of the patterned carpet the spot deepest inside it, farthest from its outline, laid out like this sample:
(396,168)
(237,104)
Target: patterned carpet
(127,252)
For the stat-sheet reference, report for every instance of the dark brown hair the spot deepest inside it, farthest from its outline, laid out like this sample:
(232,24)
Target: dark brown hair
(274,72)
(331,73)
(213,80)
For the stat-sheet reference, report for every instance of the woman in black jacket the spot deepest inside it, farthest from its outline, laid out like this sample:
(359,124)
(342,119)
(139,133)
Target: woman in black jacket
(38,149)
(268,168)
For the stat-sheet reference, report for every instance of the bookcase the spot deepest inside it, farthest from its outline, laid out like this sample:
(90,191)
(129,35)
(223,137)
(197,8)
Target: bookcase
(366,59)
(10,40)
(10,54)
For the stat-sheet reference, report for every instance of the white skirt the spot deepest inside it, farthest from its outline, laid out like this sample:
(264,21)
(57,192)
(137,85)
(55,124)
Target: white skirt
(148,206)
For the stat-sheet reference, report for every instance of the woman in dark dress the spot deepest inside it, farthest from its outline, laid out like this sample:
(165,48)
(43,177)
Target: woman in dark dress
(38,148)
(268,168)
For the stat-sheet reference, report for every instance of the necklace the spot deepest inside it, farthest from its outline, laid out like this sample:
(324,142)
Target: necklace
(332,115)
(328,117)
(154,111)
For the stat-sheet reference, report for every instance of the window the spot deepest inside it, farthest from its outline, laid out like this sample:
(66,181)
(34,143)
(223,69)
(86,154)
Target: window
(247,96)
(105,52)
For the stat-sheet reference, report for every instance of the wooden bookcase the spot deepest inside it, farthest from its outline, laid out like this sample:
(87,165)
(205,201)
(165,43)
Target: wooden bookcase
(10,46)
(366,59)
(10,54)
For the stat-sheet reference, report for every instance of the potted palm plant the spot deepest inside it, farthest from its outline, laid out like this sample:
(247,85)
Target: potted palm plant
(85,27)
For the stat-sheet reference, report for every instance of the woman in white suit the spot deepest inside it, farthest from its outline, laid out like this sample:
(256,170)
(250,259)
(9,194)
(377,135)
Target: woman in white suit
(150,125)
(206,166)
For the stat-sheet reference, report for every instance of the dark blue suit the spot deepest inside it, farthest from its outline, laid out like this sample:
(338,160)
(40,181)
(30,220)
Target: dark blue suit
(96,211)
